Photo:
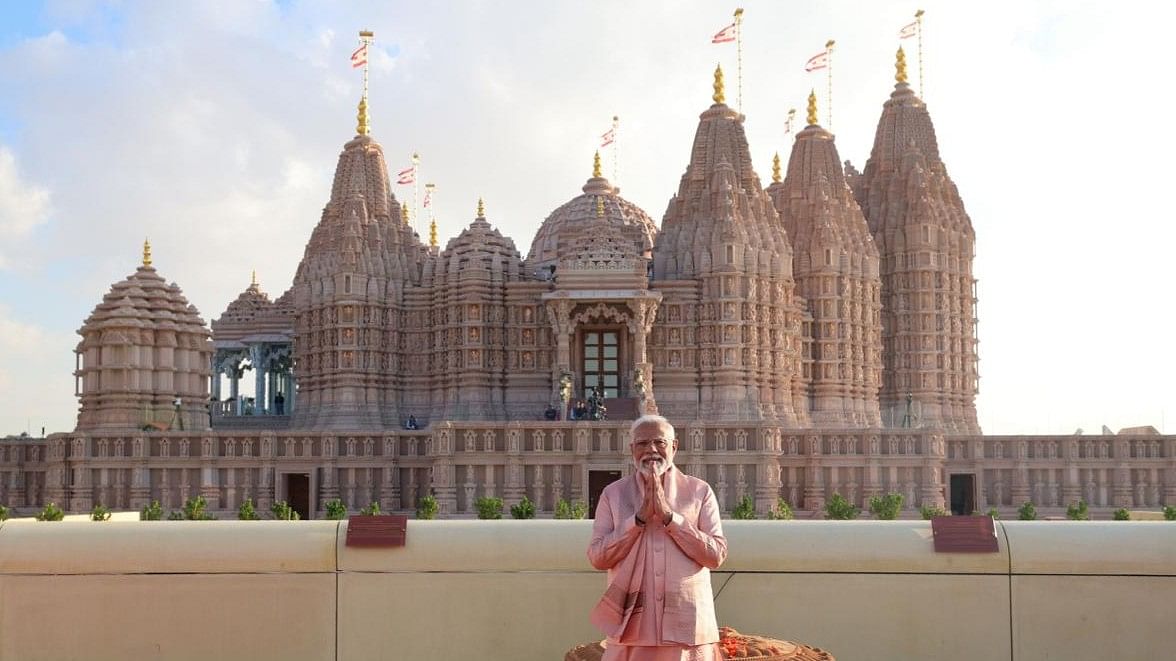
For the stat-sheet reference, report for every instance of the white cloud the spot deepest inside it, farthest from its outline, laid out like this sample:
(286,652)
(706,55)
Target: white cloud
(36,381)
(23,205)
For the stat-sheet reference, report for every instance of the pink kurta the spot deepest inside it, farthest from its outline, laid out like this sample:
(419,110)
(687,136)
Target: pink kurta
(659,603)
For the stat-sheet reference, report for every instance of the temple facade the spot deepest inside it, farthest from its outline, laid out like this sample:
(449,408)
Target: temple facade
(813,337)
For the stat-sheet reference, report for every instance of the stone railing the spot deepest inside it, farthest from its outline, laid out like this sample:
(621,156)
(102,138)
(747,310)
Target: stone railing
(522,590)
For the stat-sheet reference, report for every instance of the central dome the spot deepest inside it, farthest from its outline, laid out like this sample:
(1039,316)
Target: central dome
(598,202)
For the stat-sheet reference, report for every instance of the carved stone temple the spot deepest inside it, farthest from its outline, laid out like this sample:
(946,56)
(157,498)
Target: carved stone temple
(816,336)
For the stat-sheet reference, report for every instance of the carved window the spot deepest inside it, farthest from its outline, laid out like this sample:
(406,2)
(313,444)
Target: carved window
(601,365)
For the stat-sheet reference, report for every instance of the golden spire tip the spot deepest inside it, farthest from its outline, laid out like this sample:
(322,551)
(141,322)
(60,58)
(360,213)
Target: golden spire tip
(596,165)
(812,108)
(253,282)
(900,74)
(600,206)
(146,252)
(776,168)
(481,208)
(433,233)
(404,214)
(363,128)
(718,95)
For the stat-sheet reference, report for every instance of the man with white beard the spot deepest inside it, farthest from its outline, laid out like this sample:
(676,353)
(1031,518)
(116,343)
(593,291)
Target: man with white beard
(658,534)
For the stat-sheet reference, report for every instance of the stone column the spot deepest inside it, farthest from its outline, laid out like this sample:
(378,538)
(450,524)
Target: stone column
(560,314)
(235,388)
(814,484)
(256,355)
(209,475)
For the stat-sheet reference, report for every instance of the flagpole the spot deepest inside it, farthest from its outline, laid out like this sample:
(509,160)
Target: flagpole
(430,193)
(366,37)
(919,31)
(416,176)
(829,79)
(616,145)
(739,57)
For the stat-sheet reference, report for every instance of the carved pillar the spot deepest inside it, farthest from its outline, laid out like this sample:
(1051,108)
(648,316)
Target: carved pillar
(560,314)
(444,489)
(515,484)
(256,356)
(814,484)
(141,473)
(390,476)
(209,475)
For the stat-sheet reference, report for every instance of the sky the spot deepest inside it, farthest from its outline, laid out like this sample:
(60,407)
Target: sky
(213,128)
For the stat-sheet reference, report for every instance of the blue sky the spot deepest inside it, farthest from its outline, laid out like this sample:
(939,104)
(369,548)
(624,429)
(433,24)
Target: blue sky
(213,128)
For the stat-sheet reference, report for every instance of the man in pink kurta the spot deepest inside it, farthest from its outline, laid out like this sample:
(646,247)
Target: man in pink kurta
(658,534)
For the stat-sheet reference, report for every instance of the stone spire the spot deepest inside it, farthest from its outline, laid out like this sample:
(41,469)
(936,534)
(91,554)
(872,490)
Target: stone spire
(722,232)
(358,264)
(836,270)
(926,242)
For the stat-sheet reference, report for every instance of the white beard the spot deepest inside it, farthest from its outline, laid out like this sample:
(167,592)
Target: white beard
(658,467)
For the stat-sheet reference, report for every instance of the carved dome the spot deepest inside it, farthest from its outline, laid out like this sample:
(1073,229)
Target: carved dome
(572,216)
(481,247)
(142,347)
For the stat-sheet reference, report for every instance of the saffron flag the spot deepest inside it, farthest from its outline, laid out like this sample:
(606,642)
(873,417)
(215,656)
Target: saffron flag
(407,175)
(818,61)
(359,57)
(909,30)
(609,137)
(725,35)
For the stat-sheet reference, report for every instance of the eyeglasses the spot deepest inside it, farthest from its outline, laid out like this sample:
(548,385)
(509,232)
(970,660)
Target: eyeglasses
(659,443)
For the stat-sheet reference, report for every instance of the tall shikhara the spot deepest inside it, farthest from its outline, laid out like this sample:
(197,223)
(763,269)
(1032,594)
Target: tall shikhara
(349,291)
(928,292)
(836,271)
(728,342)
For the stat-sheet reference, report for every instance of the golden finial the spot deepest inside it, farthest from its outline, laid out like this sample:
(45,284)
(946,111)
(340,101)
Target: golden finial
(146,252)
(481,208)
(253,282)
(596,165)
(776,168)
(363,128)
(718,95)
(433,233)
(600,206)
(812,108)
(900,66)
(404,214)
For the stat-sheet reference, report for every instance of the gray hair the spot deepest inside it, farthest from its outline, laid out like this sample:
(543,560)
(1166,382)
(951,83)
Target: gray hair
(650,419)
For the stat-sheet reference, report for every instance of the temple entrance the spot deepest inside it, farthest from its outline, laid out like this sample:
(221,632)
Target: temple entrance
(963,494)
(597,481)
(298,493)
(601,361)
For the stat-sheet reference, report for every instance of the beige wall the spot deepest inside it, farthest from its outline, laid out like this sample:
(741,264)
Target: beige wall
(521,590)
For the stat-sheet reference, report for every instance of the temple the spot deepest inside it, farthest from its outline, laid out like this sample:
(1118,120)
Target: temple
(813,337)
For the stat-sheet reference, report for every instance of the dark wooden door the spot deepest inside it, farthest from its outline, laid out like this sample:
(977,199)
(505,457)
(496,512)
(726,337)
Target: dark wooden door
(963,494)
(298,493)
(597,481)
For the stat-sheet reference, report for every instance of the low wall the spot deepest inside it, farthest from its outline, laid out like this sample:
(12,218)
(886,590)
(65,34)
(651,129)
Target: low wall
(520,590)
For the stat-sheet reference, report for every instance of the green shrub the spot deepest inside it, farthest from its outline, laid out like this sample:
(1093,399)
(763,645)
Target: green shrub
(194,510)
(336,510)
(566,510)
(993,513)
(930,511)
(3,513)
(427,507)
(524,510)
(100,513)
(1078,511)
(1122,514)
(781,512)
(372,509)
(886,507)
(51,513)
(283,512)
(1169,513)
(247,512)
(840,509)
(488,507)
(175,515)
(1027,512)
(745,510)
(151,512)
